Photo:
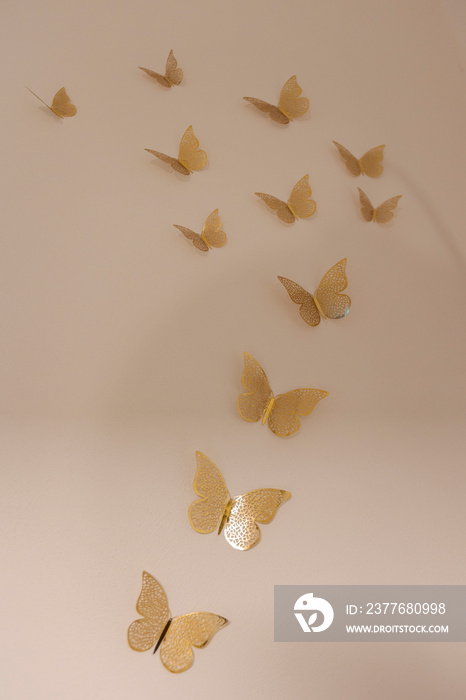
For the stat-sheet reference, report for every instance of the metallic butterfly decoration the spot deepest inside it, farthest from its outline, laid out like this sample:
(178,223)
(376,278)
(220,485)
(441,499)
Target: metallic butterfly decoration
(173,74)
(370,163)
(281,412)
(174,635)
(237,517)
(212,235)
(326,302)
(382,213)
(299,206)
(190,158)
(61,104)
(290,104)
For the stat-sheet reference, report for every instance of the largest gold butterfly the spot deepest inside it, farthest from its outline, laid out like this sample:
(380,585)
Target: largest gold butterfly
(61,104)
(190,157)
(369,164)
(299,206)
(281,412)
(173,74)
(290,104)
(174,635)
(237,517)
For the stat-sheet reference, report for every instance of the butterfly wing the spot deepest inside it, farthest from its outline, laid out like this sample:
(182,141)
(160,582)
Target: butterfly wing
(307,309)
(195,629)
(263,106)
(282,209)
(206,513)
(300,202)
(254,402)
(290,102)
(153,606)
(283,418)
(62,106)
(384,212)
(367,210)
(190,156)
(175,164)
(371,162)
(194,237)
(173,74)
(212,230)
(159,78)
(351,161)
(334,304)
(259,506)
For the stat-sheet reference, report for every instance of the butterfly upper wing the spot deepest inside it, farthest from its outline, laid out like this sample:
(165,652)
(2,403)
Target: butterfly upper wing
(274,111)
(206,513)
(384,212)
(253,403)
(159,78)
(300,202)
(62,106)
(194,629)
(351,161)
(153,605)
(283,418)
(212,230)
(334,304)
(190,156)
(290,102)
(194,237)
(176,165)
(173,74)
(308,309)
(367,210)
(258,506)
(283,211)
(371,162)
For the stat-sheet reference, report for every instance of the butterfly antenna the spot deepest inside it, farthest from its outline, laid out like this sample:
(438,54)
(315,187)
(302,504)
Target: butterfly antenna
(39,98)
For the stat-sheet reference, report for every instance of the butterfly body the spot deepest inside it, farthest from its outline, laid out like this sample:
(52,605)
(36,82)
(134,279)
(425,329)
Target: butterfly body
(190,157)
(290,105)
(212,235)
(380,214)
(369,164)
(61,104)
(173,74)
(299,205)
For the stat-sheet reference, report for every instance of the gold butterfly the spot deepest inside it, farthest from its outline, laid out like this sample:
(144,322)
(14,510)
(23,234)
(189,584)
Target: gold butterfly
(237,517)
(370,163)
(174,635)
(290,104)
(61,104)
(173,75)
(326,300)
(299,206)
(190,158)
(212,234)
(281,412)
(383,213)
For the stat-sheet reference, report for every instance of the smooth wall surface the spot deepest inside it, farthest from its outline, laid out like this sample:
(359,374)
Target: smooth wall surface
(122,345)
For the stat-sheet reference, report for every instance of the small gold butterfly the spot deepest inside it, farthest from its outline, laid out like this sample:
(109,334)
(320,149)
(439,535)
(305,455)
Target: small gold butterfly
(173,75)
(237,517)
(383,213)
(190,158)
(326,302)
(290,104)
(212,234)
(370,163)
(281,412)
(299,206)
(61,104)
(175,635)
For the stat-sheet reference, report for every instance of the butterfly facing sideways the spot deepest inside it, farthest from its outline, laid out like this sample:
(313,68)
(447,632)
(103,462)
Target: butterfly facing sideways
(173,75)
(326,302)
(299,206)
(175,635)
(61,104)
(290,104)
(281,412)
(212,235)
(190,157)
(237,517)
(370,163)
(382,213)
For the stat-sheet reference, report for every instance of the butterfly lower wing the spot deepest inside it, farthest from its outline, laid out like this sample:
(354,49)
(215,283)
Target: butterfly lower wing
(253,507)
(254,402)
(351,161)
(194,629)
(282,209)
(206,513)
(190,156)
(194,237)
(300,202)
(212,230)
(384,212)
(173,74)
(334,304)
(367,210)
(159,78)
(283,418)
(175,164)
(153,605)
(371,162)
(290,102)
(62,106)
(263,106)
(308,309)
